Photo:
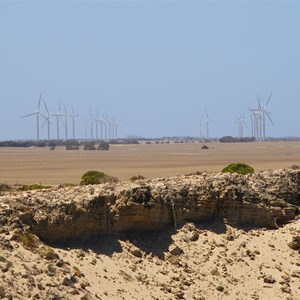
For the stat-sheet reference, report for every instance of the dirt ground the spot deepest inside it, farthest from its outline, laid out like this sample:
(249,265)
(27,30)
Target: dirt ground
(41,165)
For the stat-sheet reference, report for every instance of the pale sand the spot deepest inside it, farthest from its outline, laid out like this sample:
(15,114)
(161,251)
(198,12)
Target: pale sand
(111,271)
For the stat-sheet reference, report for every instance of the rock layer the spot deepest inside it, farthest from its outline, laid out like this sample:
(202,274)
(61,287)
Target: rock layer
(56,215)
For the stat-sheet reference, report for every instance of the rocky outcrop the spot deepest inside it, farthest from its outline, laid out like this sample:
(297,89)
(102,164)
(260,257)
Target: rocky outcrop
(263,199)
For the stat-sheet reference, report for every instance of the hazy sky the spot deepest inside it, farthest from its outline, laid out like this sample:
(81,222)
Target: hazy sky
(156,65)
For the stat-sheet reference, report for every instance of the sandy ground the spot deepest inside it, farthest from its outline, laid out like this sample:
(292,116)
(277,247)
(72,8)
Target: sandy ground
(40,165)
(208,261)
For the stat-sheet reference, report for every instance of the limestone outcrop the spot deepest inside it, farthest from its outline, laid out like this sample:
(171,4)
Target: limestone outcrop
(267,198)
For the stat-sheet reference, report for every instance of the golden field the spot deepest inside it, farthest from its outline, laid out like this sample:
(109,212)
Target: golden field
(41,165)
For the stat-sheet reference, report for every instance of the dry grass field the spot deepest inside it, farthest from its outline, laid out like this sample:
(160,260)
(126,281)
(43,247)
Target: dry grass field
(40,165)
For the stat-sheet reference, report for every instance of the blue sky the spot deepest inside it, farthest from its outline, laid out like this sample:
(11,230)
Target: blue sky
(156,65)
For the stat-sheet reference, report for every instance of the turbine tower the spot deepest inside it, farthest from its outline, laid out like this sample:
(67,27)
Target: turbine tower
(206,124)
(116,124)
(66,122)
(38,114)
(48,115)
(58,117)
(258,120)
(241,122)
(200,128)
(86,126)
(265,113)
(73,116)
(92,120)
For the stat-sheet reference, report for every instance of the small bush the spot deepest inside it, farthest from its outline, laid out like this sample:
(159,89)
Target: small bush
(204,147)
(295,167)
(31,187)
(104,146)
(95,177)
(49,254)
(4,187)
(71,147)
(89,146)
(67,184)
(239,168)
(29,241)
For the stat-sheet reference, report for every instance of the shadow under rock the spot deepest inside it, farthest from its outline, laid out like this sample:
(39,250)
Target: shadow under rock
(107,245)
(153,242)
(215,225)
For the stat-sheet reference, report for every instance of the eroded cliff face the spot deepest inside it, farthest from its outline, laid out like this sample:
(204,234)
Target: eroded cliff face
(56,215)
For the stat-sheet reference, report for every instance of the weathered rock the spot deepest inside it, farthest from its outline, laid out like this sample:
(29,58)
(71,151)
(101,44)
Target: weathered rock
(175,250)
(56,215)
(295,243)
(67,282)
(135,251)
(269,279)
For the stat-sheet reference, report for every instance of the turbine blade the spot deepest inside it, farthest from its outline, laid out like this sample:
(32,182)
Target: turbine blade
(34,113)
(39,103)
(45,105)
(270,119)
(268,99)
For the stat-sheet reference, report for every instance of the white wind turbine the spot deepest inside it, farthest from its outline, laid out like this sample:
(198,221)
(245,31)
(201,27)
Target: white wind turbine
(86,126)
(206,124)
(65,115)
(73,116)
(111,125)
(265,113)
(47,119)
(255,122)
(38,114)
(116,124)
(199,123)
(58,117)
(97,120)
(241,122)
(92,120)
(105,122)
(102,123)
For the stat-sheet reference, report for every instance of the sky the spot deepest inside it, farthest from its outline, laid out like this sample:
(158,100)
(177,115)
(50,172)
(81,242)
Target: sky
(155,66)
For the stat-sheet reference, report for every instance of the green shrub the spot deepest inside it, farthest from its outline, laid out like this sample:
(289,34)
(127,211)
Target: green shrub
(104,146)
(31,187)
(95,177)
(89,146)
(239,168)
(29,241)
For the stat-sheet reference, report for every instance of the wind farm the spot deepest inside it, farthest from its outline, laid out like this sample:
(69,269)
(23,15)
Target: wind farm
(101,126)
(108,126)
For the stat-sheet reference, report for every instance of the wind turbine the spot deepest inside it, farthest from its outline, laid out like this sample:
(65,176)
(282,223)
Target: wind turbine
(47,119)
(264,114)
(206,124)
(58,116)
(116,123)
(241,122)
(105,121)
(200,128)
(97,120)
(38,114)
(73,116)
(86,126)
(66,122)
(92,120)
(255,122)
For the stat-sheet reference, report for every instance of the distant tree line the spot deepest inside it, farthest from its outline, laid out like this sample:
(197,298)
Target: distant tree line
(231,139)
